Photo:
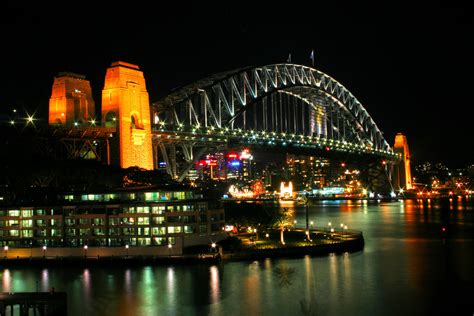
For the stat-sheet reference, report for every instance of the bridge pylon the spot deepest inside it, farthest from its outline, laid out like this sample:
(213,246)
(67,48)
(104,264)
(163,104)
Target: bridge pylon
(402,170)
(126,106)
(71,101)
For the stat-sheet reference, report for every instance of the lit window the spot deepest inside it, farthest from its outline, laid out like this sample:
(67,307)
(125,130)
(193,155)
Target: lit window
(174,229)
(14,213)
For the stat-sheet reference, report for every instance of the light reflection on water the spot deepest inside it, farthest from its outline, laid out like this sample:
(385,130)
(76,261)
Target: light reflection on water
(406,267)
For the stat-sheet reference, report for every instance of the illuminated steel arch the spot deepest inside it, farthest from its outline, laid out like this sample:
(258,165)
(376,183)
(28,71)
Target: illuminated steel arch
(276,104)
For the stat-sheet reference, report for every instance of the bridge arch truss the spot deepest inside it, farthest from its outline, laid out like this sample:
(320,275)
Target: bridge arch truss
(279,104)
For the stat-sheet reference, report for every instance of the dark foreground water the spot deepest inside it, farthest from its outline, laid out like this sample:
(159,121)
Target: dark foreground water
(406,268)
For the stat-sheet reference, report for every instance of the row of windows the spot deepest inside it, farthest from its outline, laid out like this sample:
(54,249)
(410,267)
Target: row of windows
(129,210)
(112,221)
(143,231)
(141,196)
(30,223)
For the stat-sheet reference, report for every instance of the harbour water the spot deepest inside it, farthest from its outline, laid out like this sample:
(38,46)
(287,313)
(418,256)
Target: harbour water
(409,266)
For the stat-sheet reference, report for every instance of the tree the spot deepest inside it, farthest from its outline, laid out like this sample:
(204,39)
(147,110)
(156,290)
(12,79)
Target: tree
(248,214)
(281,221)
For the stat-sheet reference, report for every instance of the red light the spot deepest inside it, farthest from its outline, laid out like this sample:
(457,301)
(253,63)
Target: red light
(443,229)
(328,149)
(232,155)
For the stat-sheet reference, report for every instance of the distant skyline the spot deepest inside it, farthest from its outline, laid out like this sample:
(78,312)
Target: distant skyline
(409,66)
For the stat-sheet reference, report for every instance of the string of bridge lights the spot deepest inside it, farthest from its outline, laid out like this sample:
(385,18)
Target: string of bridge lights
(30,120)
(271,137)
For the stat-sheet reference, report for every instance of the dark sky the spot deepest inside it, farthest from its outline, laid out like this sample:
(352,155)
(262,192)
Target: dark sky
(410,66)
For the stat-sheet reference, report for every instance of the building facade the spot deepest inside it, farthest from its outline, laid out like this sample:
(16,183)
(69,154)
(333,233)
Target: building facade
(138,217)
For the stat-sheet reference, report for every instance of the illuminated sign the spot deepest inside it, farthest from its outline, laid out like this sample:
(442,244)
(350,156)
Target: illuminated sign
(235,163)
(245,154)
(207,162)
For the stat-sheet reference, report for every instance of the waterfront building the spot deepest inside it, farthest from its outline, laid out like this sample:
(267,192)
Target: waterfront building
(135,217)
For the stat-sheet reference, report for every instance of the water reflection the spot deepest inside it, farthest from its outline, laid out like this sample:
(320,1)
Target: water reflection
(407,267)
(215,285)
(44,280)
(6,281)
(308,303)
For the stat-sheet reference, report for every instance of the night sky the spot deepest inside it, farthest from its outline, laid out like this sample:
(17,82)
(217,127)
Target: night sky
(411,67)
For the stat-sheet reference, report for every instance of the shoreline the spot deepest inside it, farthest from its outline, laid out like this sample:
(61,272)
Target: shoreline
(353,244)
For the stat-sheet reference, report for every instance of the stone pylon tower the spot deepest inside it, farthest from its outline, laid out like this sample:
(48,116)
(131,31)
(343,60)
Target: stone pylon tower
(125,105)
(71,100)
(402,171)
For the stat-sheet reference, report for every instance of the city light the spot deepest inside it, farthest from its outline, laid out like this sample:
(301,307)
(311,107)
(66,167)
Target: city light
(29,119)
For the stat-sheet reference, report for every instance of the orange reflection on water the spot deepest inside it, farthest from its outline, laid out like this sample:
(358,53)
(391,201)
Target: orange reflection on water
(6,281)
(252,291)
(214,271)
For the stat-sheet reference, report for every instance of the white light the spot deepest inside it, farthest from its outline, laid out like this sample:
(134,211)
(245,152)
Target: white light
(85,247)
(213,245)
(127,246)
(5,248)
(30,119)
(44,247)
(12,122)
(75,124)
(170,246)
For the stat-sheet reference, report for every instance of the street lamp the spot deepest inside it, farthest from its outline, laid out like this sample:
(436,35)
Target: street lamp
(126,248)
(44,251)
(329,225)
(85,251)
(345,229)
(5,249)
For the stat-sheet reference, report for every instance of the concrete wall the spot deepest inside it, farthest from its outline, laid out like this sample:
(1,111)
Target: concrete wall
(14,253)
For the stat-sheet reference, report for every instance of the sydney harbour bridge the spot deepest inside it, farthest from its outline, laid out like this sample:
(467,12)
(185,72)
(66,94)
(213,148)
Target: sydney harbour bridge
(284,107)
